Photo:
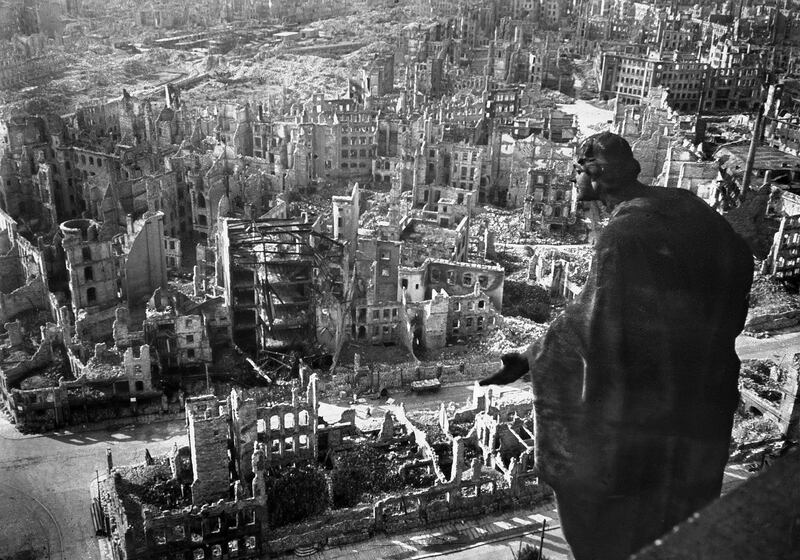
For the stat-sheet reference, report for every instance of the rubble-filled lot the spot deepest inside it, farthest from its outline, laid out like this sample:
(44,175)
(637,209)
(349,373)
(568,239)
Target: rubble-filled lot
(769,296)
(252,71)
(764,378)
(96,71)
(508,227)
(149,485)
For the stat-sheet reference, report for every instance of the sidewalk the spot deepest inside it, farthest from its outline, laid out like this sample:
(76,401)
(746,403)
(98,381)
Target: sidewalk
(103,542)
(457,536)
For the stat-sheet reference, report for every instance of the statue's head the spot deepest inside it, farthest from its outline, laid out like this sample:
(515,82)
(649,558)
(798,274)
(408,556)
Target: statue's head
(604,162)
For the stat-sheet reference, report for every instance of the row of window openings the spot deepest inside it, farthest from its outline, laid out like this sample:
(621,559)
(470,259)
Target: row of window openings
(684,85)
(269,156)
(215,526)
(346,129)
(91,161)
(216,550)
(376,330)
(555,196)
(465,171)
(466,278)
(257,140)
(465,156)
(376,313)
(357,153)
(469,321)
(354,141)
(288,444)
(288,421)
(470,305)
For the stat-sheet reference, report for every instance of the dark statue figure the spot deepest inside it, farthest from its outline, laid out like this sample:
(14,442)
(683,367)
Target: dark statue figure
(635,384)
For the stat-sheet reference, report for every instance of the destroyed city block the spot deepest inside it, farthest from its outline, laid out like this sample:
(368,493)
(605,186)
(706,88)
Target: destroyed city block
(255,256)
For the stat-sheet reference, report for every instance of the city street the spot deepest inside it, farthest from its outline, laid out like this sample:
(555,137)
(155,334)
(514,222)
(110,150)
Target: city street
(780,348)
(44,484)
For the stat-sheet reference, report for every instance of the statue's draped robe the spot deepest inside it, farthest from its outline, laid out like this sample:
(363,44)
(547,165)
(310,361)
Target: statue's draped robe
(635,384)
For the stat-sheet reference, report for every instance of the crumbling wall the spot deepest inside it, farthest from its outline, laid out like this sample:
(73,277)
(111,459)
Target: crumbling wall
(192,344)
(289,431)
(137,368)
(785,412)
(123,537)
(208,441)
(421,439)
(38,409)
(478,496)
(12,273)
(650,148)
(790,405)
(218,527)
(460,279)
(397,376)
(97,325)
(30,297)
(471,316)
(145,265)
(245,430)
(14,374)
(410,510)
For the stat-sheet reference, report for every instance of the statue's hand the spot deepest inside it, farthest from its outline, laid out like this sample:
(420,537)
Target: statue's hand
(515,365)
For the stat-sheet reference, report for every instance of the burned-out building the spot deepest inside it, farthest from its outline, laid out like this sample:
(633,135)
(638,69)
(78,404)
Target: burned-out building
(273,272)
(175,327)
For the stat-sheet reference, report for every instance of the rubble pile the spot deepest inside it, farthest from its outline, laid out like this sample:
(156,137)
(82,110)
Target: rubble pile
(506,225)
(753,437)
(241,79)
(149,485)
(769,296)
(579,259)
(763,377)
(514,336)
(371,24)
(50,375)
(261,71)
(100,72)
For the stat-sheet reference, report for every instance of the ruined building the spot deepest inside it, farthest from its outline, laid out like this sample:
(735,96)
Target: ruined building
(239,448)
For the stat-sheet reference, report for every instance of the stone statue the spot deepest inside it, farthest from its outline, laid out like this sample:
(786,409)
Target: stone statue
(635,384)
